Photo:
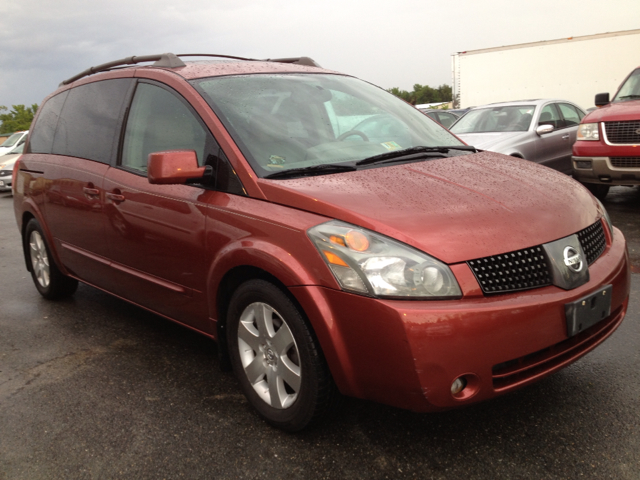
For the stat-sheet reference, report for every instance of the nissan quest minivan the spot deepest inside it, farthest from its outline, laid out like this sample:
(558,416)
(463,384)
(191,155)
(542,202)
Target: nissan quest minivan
(331,238)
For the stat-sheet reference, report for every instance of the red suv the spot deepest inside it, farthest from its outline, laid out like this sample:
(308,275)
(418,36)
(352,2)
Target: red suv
(607,151)
(330,237)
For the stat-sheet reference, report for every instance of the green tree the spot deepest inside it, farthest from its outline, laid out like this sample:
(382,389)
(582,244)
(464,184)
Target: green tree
(18,118)
(423,94)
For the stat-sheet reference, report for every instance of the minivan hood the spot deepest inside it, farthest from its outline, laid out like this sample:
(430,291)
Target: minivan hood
(615,112)
(455,209)
(491,140)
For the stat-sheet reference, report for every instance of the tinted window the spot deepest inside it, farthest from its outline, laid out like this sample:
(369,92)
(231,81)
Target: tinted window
(89,124)
(45,128)
(570,113)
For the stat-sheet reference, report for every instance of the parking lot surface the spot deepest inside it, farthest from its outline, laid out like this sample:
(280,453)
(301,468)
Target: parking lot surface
(93,387)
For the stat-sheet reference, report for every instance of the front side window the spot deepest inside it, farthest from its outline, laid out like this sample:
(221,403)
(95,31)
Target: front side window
(160,121)
(630,90)
(289,121)
(512,118)
(550,116)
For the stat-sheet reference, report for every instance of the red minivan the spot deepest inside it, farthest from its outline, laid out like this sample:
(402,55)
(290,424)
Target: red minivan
(607,150)
(331,238)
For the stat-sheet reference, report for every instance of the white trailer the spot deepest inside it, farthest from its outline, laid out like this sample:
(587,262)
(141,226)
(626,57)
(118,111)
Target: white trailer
(573,68)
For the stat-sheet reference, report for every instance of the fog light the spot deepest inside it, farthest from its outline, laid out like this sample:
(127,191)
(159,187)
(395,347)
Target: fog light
(458,385)
(583,164)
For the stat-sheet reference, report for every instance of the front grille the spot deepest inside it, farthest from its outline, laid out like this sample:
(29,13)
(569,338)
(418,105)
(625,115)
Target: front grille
(513,271)
(592,241)
(515,372)
(623,132)
(625,162)
(530,268)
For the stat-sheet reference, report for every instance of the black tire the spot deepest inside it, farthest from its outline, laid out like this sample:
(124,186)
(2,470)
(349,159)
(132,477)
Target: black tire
(270,340)
(599,190)
(49,281)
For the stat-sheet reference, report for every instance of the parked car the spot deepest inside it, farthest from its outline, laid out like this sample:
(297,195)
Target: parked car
(542,131)
(6,168)
(14,141)
(606,152)
(326,234)
(443,117)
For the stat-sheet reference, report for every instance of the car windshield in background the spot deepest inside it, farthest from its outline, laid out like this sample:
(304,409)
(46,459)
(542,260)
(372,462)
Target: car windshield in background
(284,122)
(631,88)
(497,119)
(11,141)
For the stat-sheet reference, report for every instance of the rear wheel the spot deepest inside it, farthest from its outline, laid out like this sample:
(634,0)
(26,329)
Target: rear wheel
(49,281)
(276,358)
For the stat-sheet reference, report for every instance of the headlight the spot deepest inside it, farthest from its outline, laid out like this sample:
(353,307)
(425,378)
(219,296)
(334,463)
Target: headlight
(606,218)
(368,263)
(588,131)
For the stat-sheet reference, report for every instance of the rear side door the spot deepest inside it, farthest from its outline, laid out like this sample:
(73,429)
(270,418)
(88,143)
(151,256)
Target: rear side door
(554,149)
(156,233)
(74,151)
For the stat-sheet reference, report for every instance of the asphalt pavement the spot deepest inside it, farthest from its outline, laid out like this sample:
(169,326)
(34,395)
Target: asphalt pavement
(95,388)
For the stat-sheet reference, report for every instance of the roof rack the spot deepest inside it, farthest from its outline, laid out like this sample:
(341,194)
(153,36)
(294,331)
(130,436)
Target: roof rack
(171,60)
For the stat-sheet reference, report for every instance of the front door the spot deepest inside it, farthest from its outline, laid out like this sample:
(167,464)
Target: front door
(156,233)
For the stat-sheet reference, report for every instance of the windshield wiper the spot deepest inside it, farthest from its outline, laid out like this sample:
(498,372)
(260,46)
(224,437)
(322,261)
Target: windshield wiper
(413,153)
(628,97)
(310,171)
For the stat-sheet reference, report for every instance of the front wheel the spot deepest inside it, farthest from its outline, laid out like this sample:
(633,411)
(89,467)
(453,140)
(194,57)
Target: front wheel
(599,190)
(276,358)
(49,280)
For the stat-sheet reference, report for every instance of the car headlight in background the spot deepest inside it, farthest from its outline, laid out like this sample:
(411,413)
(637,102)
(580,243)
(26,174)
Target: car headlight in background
(588,131)
(369,263)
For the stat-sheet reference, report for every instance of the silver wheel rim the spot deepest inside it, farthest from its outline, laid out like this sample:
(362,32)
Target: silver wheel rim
(269,355)
(39,259)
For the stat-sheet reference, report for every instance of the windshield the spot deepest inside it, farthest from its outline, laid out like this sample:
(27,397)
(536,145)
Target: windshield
(11,141)
(283,122)
(630,90)
(496,119)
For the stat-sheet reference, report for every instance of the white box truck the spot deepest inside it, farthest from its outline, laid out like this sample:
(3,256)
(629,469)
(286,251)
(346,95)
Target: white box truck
(573,69)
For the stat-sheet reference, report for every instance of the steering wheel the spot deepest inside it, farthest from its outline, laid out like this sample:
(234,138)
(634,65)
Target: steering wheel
(353,132)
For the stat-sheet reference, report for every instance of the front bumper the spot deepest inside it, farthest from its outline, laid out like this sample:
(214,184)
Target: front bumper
(601,170)
(408,353)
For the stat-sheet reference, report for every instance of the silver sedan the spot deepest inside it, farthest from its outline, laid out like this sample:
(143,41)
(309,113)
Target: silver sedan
(542,131)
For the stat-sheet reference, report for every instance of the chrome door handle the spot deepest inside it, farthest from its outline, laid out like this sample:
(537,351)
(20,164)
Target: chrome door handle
(115,197)
(565,137)
(91,191)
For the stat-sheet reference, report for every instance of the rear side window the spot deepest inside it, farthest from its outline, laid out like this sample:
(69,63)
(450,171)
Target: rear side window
(45,128)
(89,124)
(572,115)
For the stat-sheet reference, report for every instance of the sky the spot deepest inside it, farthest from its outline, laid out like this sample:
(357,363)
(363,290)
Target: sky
(391,44)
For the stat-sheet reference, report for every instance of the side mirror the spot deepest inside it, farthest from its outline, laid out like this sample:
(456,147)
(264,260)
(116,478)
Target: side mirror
(602,99)
(174,167)
(542,129)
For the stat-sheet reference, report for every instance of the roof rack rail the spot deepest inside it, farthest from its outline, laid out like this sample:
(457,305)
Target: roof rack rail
(171,60)
(162,60)
(295,60)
